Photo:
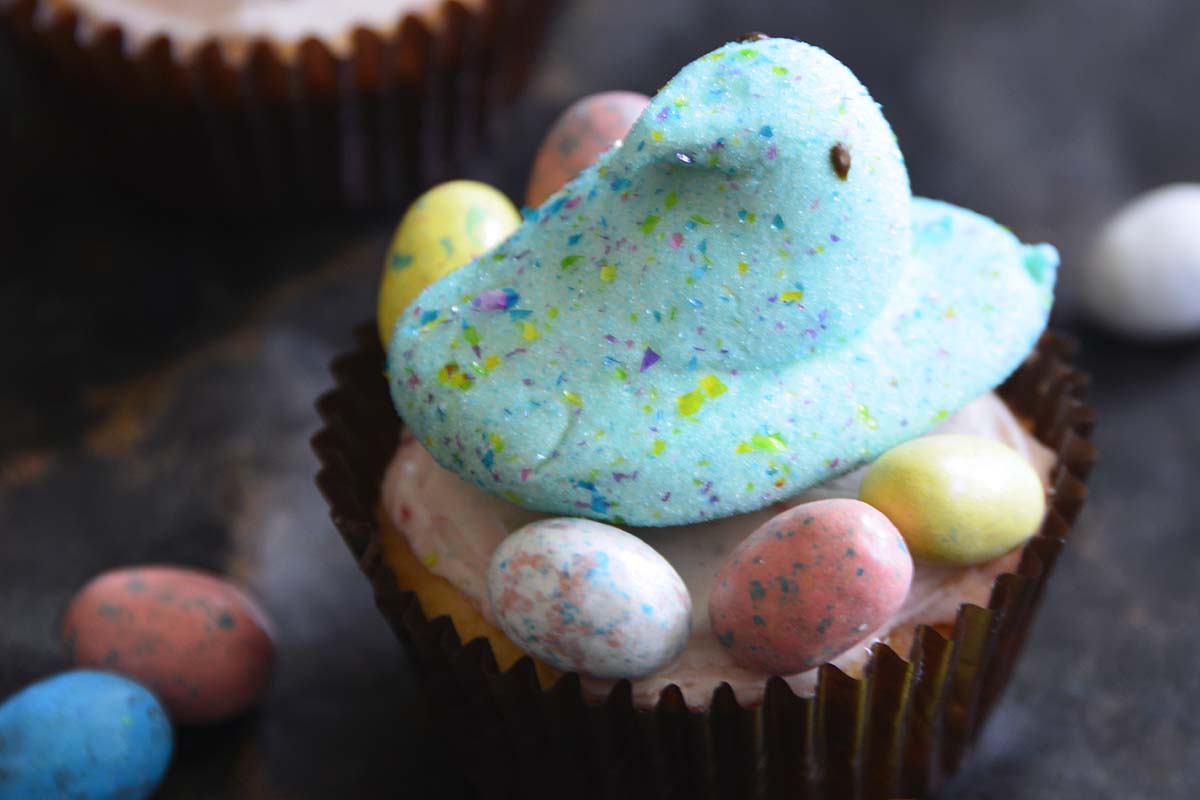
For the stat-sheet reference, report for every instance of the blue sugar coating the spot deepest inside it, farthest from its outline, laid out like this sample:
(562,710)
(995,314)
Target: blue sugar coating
(83,734)
(713,317)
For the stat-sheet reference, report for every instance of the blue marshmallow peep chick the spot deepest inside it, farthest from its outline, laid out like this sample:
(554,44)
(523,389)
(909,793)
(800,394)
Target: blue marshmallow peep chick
(741,301)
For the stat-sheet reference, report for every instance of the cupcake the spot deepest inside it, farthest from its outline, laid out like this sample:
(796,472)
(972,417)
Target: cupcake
(256,105)
(622,525)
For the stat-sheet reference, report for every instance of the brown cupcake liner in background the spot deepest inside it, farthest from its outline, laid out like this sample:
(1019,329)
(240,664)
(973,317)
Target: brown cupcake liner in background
(898,732)
(363,121)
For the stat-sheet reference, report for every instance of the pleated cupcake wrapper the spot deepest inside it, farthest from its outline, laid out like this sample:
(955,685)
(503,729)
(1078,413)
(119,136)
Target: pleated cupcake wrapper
(273,128)
(897,732)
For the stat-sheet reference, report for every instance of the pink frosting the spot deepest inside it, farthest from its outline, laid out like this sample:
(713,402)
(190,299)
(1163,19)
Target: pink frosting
(454,527)
(235,24)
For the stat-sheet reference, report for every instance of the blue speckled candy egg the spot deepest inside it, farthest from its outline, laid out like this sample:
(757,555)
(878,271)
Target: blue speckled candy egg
(586,597)
(83,735)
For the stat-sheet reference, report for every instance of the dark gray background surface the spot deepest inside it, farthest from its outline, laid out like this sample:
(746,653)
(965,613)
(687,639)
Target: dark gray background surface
(159,372)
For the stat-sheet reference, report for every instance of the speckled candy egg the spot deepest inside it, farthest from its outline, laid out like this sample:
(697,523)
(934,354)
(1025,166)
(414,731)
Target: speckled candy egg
(445,228)
(1143,277)
(586,597)
(578,137)
(86,735)
(202,645)
(956,499)
(808,585)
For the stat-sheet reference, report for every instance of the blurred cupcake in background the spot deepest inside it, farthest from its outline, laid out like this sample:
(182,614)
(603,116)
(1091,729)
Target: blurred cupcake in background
(262,105)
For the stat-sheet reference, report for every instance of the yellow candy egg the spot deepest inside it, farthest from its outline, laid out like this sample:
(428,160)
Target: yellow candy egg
(956,499)
(446,228)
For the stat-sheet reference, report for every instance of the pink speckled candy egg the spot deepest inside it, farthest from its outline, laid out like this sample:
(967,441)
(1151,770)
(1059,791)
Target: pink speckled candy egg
(808,585)
(578,137)
(586,597)
(197,641)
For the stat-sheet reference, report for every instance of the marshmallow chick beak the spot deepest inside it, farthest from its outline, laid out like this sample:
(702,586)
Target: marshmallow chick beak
(740,302)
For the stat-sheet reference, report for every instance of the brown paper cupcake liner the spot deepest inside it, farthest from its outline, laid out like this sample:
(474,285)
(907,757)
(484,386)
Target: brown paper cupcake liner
(361,121)
(897,732)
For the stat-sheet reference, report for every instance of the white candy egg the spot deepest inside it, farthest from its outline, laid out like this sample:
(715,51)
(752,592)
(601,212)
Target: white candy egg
(1143,278)
(586,597)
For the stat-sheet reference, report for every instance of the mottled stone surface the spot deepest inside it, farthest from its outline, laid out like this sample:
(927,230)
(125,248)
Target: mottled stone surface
(159,374)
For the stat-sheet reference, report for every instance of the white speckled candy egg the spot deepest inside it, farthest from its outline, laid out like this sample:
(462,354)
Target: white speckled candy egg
(1143,278)
(586,597)
(956,499)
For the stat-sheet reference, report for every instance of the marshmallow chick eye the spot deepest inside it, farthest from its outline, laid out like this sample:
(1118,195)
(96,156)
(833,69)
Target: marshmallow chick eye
(683,339)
